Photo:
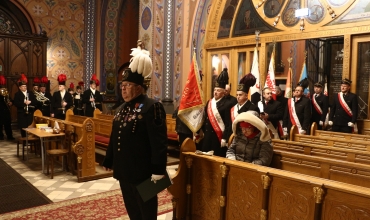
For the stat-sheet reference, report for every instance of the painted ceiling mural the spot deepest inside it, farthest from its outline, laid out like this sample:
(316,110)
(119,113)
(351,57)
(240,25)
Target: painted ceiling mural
(64,23)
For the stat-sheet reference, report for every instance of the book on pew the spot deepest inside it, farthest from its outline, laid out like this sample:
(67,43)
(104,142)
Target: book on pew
(148,189)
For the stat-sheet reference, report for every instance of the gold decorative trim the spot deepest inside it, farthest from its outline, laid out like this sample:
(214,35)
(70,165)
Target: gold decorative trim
(260,3)
(222,201)
(266,181)
(318,193)
(224,170)
(189,162)
(188,189)
(263,214)
(276,21)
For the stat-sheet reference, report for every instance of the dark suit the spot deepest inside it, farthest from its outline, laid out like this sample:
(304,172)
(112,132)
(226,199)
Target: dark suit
(338,115)
(323,101)
(77,104)
(45,107)
(275,112)
(303,111)
(137,149)
(210,140)
(24,119)
(5,119)
(231,99)
(57,104)
(181,129)
(283,101)
(89,109)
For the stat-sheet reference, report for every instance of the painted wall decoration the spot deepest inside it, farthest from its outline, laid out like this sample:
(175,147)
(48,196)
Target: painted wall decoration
(359,12)
(64,23)
(227,18)
(178,59)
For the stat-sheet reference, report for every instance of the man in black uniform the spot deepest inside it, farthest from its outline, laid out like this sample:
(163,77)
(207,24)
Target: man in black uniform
(45,97)
(62,100)
(320,105)
(181,129)
(298,112)
(92,98)
(137,148)
(343,113)
(217,119)
(5,115)
(271,111)
(77,99)
(25,102)
(229,97)
(280,97)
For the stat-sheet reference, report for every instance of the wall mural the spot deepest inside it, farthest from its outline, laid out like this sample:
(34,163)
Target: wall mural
(359,12)
(64,23)
(227,18)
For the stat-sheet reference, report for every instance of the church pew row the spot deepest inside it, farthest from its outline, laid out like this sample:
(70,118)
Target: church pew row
(210,187)
(103,129)
(340,135)
(82,153)
(329,141)
(343,154)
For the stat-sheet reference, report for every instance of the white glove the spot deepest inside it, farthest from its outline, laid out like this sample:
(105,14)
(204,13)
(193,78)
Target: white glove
(156,177)
(321,123)
(330,123)
(350,124)
(302,131)
(231,158)
(223,143)
(260,106)
(285,131)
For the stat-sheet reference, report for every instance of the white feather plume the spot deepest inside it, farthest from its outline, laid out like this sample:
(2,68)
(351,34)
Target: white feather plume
(140,61)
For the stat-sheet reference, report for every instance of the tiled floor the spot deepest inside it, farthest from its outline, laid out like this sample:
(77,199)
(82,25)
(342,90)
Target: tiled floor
(64,185)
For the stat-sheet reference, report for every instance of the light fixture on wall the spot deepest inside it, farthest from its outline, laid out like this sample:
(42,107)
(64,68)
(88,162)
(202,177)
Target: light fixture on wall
(301,13)
(260,4)
(276,21)
(331,12)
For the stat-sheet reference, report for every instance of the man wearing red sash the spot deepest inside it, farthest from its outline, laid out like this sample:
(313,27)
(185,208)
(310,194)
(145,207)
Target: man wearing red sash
(320,105)
(343,113)
(298,112)
(217,118)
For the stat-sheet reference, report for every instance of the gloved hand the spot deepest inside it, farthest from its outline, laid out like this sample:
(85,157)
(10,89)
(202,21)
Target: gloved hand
(302,131)
(330,123)
(285,131)
(156,177)
(223,143)
(260,106)
(350,124)
(231,158)
(321,123)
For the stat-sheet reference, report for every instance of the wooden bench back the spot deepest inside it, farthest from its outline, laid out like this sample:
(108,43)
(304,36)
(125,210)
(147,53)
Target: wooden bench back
(340,135)
(211,187)
(342,154)
(329,141)
(102,127)
(99,115)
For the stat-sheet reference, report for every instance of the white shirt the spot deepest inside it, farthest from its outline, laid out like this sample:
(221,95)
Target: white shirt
(93,90)
(62,93)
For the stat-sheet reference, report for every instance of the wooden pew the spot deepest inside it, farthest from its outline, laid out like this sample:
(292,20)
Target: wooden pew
(210,187)
(340,135)
(83,151)
(343,154)
(329,141)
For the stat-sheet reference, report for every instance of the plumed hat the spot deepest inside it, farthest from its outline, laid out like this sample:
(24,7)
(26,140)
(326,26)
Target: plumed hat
(95,80)
(81,83)
(62,78)
(246,82)
(319,84)
(303,83)
(222,79)
(36,81)
(140,66)
(251,118)
(346,81)
(44,81)
(72,86)
(2,81)
(22,80)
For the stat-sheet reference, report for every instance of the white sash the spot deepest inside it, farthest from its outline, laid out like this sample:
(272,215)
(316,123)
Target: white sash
(293,115)
(343,103)
(217,115)
(316,106)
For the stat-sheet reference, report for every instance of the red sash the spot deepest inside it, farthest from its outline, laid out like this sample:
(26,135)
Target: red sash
(344,105)
(316,106)
(213,121)
(292,118)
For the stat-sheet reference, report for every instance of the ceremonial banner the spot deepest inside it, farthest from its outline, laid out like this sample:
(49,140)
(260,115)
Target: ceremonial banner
(288,88)
(256,73)
(270,79)
(304,75)
(191,109)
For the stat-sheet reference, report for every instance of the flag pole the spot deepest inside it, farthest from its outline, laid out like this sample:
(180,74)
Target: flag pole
(257,32)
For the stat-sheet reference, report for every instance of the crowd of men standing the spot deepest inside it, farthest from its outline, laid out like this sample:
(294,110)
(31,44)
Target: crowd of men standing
(56,105)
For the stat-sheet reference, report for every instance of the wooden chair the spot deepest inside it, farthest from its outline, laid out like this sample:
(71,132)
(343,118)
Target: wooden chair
(53,153)
(32,141)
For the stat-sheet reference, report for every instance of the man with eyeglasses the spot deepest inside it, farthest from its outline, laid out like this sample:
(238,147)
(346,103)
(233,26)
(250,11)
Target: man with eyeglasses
(298,112)
(137,149)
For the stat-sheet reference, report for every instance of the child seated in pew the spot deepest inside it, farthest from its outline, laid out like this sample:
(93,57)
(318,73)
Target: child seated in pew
(252,141)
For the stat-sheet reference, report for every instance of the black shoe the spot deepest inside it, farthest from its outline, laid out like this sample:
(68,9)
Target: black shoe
(10,138)
(1,138)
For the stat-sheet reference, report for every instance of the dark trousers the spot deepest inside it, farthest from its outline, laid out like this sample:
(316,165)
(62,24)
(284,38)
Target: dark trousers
(7,124)
(136,208)
(183,136)
(344,129)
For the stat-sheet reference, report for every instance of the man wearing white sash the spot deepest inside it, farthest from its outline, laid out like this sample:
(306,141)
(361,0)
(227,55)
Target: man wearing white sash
(320,105)
(298,112)
(217,118)
(271,111)
(343,113)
